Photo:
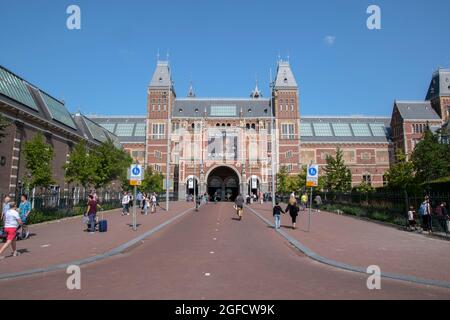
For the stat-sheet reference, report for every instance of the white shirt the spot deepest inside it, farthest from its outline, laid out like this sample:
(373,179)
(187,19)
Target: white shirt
(410,215)
(12,219)
(126,199)
(153,198)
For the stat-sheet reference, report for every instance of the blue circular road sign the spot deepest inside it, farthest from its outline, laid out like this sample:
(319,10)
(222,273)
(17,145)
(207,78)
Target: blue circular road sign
(312,171)
(136,171)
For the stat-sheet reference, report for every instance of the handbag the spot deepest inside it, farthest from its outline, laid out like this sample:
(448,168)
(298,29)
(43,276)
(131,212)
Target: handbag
(85,219)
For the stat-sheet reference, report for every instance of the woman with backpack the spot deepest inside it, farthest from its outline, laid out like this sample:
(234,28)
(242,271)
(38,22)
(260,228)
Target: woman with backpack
(293,210)
(425,214)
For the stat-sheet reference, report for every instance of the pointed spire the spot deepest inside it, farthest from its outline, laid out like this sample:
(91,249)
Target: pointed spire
(256,93)
(191,93)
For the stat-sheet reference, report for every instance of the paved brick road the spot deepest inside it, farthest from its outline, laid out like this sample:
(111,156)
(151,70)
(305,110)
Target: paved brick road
(362,243)
(64,241)
(209,255)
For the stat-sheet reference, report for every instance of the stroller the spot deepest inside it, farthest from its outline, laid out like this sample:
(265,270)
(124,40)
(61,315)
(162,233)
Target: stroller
(22,233)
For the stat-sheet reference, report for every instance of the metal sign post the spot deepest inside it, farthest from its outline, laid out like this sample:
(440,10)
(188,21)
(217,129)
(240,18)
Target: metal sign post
(312,180)
(135,180)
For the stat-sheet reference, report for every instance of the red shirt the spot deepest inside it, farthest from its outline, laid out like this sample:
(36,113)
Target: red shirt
(92,207)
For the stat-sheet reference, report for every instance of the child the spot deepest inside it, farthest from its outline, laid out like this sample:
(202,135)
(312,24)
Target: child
(276,214)
(411,219)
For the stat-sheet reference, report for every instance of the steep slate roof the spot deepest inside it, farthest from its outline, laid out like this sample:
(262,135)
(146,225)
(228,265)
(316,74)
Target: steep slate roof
(344,129)
(440,84)
(161,77)
(195,108)
(416,110)
(285,78)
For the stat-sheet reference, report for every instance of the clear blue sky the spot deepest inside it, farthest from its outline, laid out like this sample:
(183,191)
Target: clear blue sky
(105,67)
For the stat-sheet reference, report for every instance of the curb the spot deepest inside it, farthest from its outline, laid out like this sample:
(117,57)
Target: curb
(102,256)
(311,254)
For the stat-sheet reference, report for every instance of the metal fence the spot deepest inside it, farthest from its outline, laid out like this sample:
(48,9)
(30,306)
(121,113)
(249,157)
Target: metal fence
(395,204)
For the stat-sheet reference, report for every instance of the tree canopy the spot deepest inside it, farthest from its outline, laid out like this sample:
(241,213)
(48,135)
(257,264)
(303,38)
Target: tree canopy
(338,175)
(431,158)
(401,175)
(38,158)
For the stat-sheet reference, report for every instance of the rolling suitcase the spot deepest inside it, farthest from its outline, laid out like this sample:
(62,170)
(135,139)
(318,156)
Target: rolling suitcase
(102,225)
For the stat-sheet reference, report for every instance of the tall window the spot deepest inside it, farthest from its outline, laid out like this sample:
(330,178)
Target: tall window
(158,131)
(288,131)
(367,179)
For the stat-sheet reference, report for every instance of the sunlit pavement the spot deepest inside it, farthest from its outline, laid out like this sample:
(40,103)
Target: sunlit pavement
(210,255)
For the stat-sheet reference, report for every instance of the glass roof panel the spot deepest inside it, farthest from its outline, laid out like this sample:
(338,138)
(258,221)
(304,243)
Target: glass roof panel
(58,111)
(342,130)
(13,87)
(140,130)
(96,131)
(322,129)
(361,130)
(306,130)
(124,129)
(108,126)
(378,129)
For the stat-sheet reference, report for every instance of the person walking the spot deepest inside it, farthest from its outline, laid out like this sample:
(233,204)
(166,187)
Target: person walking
(91,213)
(12,222)
(277,211)
(145,204)
(304,201)
(126,204)
(411,219)
(154,202)
(24,208)
(318,201)
(293,210)
(442,216)
(425,213)
(239,202)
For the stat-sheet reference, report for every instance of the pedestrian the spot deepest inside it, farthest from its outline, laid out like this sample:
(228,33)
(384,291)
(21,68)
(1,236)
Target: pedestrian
(6,205)
(12,222)
(425,214)
(261,197)
(442,216)
(146,203)
(154,202)
(304,201)
(318,201)
(277,210)
(91,213)
(125,204)
(411,219)
(239,202)
(139,198)
(293,210)
(24,208)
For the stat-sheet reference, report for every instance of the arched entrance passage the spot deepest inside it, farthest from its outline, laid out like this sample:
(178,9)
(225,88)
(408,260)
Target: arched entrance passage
(225,182)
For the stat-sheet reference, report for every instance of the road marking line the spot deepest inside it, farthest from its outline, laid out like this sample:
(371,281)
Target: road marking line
(207,274)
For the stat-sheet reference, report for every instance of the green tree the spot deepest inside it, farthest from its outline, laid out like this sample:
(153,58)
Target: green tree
(153,181)
(3,125)
(283,180)
(111,164)
(38,158)
(82,166)
(364,187)
(401,174)
(431,158)
(338,175)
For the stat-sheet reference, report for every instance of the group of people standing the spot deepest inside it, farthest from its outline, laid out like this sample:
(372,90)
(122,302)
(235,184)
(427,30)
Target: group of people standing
(144,202)
(426,213)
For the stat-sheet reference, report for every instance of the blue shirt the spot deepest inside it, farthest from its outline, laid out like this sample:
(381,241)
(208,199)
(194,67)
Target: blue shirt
(24,207)
(6,207)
